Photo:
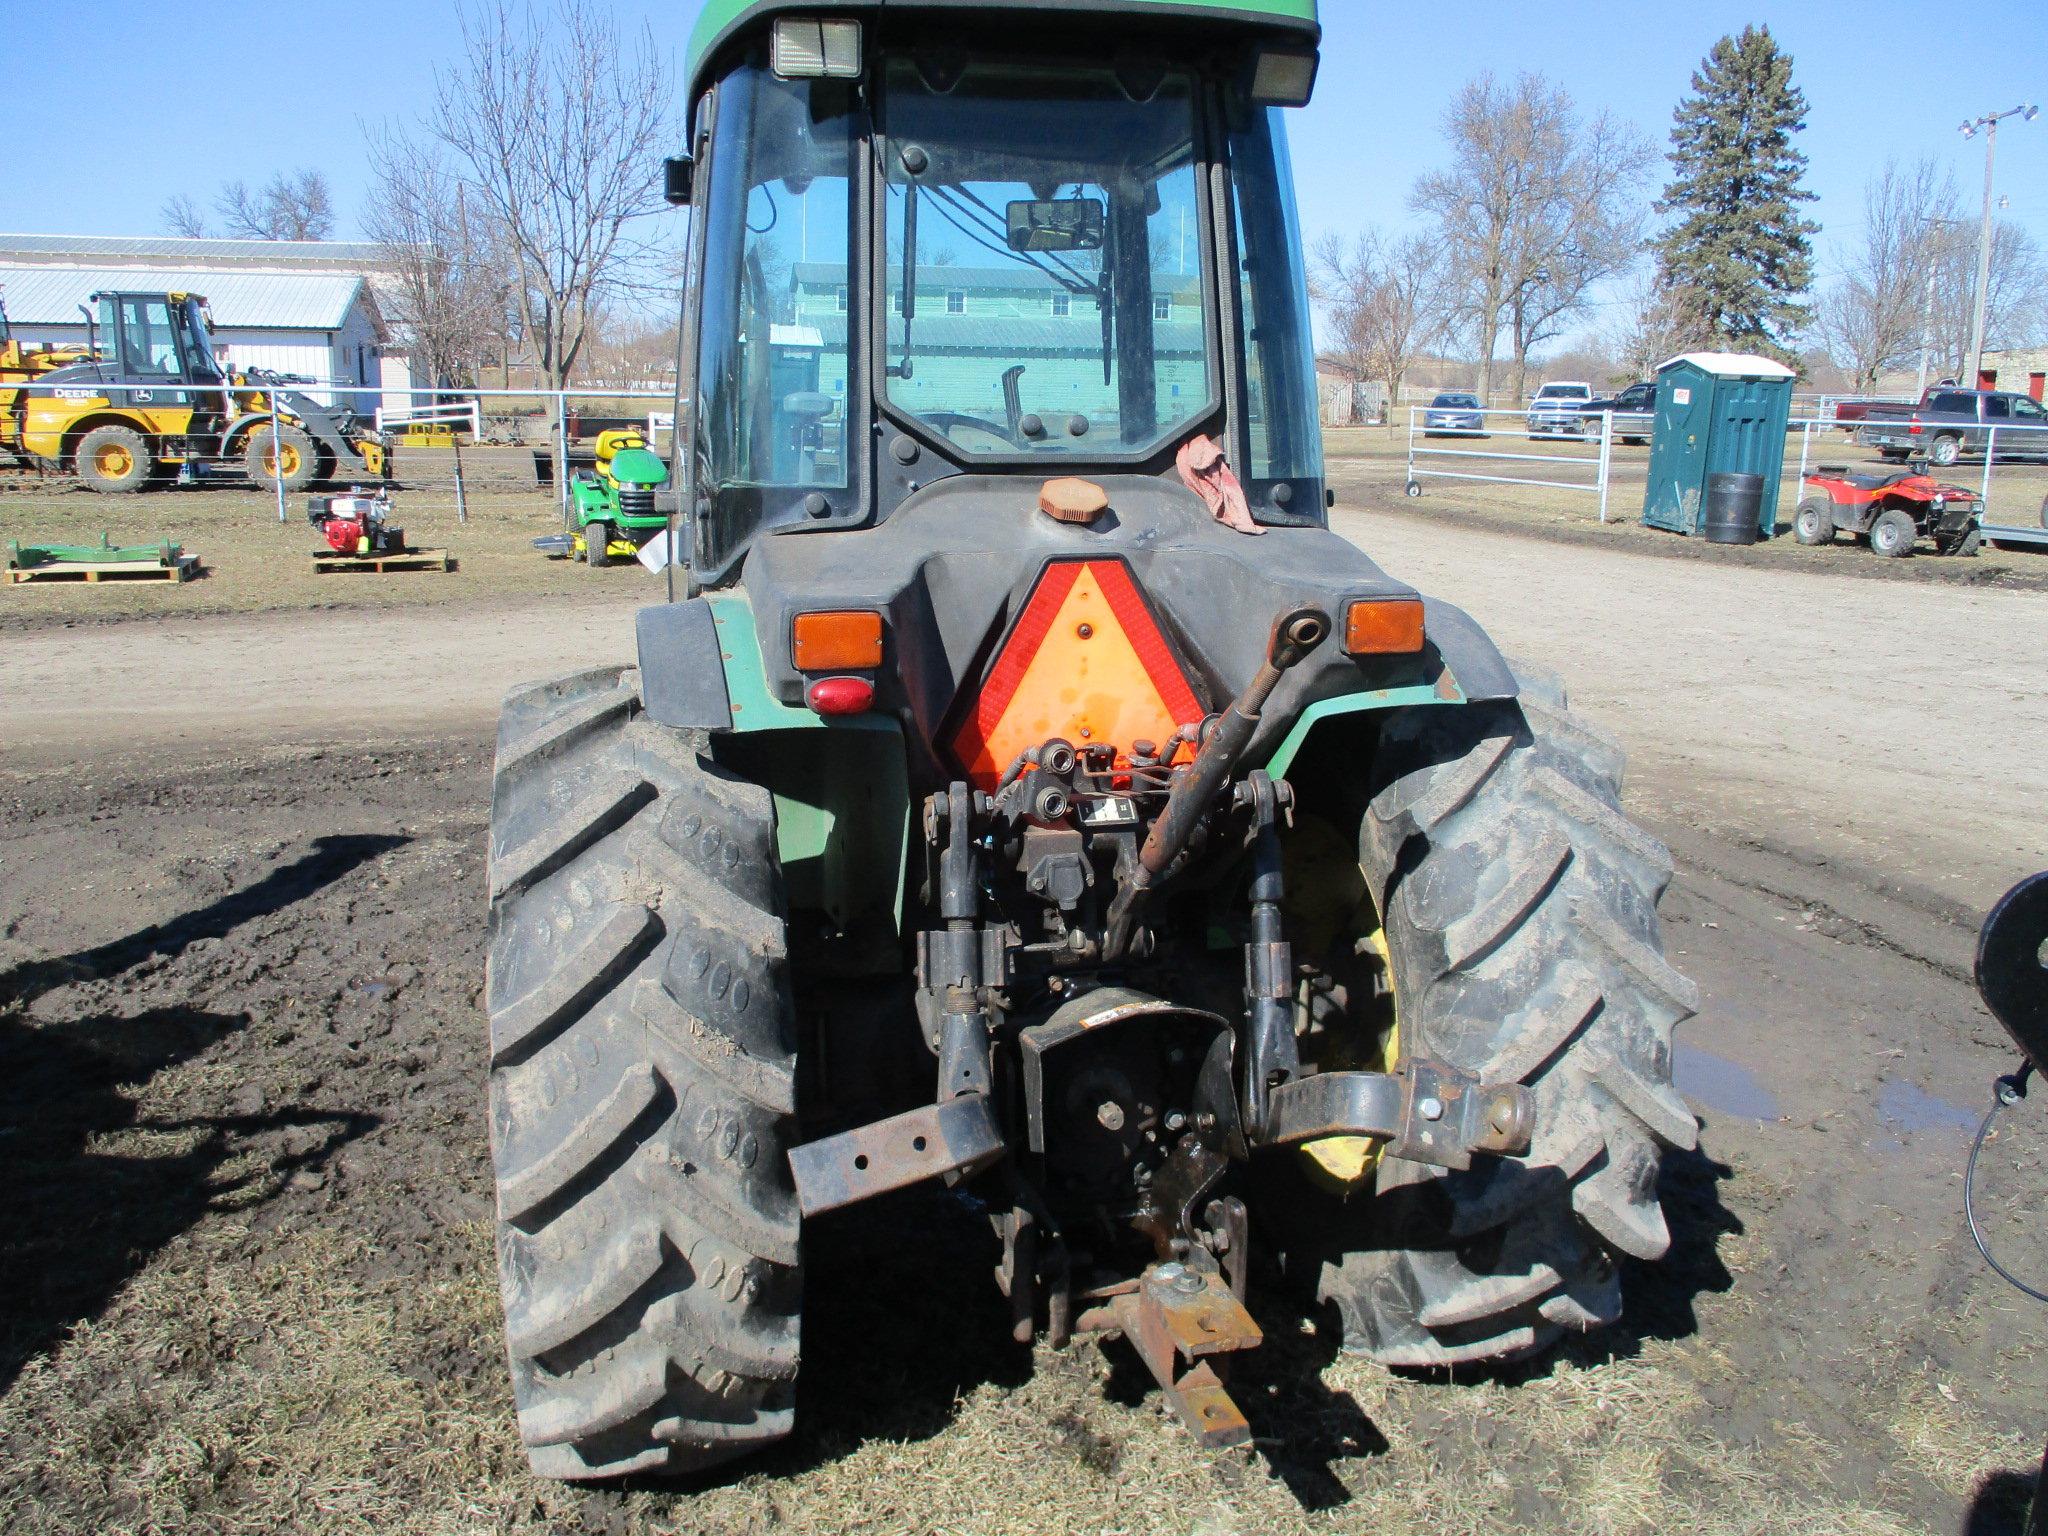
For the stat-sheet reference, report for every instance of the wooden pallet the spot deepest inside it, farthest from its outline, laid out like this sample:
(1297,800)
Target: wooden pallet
(184,568)
(411,560)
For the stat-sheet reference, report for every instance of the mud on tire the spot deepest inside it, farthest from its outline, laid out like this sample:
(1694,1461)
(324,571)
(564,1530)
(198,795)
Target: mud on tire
(641,1090)
(1520,910)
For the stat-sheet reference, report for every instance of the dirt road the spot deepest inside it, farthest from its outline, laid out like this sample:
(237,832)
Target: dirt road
(1880,719)
(294,675)
(247,1273)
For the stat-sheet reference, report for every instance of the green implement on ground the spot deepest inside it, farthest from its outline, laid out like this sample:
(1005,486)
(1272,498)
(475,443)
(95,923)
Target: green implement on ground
(106,552)
(1027,793)
(614,502)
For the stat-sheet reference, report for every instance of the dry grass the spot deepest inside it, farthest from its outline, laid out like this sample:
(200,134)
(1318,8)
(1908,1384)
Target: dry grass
(295,1392)
(254,562)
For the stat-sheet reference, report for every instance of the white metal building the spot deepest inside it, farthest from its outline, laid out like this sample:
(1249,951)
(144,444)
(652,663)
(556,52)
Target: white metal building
(299,307)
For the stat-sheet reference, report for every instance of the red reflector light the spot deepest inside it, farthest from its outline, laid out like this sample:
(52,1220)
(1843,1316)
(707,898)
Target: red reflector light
(840,695)
(1915,427)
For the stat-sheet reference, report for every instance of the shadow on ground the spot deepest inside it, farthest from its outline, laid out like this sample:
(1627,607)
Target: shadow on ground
(90,1188)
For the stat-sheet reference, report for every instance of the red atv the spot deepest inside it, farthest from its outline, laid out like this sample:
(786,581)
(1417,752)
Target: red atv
(1892,508)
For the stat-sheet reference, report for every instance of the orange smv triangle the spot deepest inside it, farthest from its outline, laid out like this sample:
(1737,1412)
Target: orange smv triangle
(1085,662)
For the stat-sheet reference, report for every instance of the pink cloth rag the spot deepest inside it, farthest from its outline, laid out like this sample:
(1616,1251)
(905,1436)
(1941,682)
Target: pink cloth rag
(1205,471)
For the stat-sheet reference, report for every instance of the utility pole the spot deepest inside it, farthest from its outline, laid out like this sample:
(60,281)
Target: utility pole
(1989,123)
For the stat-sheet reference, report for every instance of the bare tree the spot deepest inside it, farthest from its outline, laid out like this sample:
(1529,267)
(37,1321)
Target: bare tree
(452,294)
(1872,317)
(1535,207)
(287,207)
(297,206)
(1384,300)
(184,218)
(2016,300)
(1652,328)
(554,133)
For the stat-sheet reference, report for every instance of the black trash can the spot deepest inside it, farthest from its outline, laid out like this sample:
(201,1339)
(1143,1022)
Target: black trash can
(1734,503)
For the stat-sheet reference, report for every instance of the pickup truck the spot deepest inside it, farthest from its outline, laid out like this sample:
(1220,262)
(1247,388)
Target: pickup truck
(1555,410)
(1950,424)
(1634,410)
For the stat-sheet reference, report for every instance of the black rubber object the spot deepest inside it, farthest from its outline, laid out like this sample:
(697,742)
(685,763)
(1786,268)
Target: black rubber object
(1814,522)
(1520,912)
(642,1090)
(140,461)
(1734,502)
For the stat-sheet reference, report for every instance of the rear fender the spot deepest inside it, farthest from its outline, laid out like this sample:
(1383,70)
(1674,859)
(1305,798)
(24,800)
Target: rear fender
(1473,670)
(841,784)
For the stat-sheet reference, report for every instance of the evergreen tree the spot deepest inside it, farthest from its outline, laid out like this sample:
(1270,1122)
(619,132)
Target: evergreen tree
(1737,263)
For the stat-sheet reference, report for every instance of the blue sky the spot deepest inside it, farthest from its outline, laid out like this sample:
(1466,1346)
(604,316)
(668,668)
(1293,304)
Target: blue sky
(197,93)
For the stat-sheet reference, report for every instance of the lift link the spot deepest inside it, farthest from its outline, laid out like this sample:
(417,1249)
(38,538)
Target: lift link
(958,1136)
(1426,1111)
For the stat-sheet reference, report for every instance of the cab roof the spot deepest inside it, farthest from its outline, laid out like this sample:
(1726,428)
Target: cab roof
(722,20)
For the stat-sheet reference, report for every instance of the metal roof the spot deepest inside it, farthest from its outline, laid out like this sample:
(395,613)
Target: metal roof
(195,252)
(286,301)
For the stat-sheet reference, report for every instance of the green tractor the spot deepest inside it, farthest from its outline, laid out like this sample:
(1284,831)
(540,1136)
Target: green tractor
(1027,792)
(614,500)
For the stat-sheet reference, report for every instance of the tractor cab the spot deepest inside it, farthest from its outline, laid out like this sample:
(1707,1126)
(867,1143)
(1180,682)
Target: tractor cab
(158,338)
(1018,244)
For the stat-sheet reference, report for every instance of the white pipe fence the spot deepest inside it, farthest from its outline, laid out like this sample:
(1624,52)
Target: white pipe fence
(1431,423)
(461,409)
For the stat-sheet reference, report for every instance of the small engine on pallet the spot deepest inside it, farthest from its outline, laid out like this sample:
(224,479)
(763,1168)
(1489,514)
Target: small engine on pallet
(356,523)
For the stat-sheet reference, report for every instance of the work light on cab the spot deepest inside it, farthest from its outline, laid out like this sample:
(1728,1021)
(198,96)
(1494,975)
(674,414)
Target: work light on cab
(805,48)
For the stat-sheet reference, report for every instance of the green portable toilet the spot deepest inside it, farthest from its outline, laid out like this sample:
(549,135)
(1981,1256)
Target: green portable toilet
(1716,412)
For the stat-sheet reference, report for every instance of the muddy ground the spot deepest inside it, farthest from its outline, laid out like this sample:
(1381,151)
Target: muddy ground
(246,1282)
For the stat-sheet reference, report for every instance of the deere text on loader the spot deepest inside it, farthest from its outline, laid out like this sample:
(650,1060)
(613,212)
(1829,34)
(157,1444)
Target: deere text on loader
(1027,791)
(153,400)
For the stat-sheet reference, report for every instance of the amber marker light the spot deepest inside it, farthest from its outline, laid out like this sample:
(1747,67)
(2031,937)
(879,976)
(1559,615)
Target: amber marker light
(1384,627)
(837,642)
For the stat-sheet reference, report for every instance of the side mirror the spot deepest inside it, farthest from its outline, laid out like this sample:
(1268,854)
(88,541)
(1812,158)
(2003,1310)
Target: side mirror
(2010,972)
(678,175)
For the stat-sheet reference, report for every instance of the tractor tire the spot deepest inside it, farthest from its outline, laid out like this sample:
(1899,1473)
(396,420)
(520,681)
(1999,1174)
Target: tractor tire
(1814,522)
(1892,534)
(114,460)
(597,544)
(1519,911)
(296,454)
(642,1090)
(1946,449)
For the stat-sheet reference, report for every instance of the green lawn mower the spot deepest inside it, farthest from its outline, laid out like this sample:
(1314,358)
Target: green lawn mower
(614,502)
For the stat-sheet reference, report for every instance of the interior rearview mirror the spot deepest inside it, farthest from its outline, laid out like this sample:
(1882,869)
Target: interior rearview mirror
(1057,224)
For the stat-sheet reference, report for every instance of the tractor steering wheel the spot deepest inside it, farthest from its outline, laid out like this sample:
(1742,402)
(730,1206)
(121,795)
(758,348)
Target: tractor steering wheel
(948,421)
